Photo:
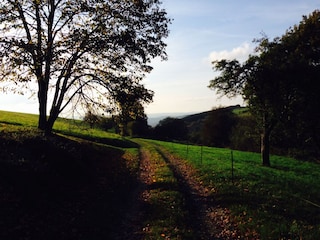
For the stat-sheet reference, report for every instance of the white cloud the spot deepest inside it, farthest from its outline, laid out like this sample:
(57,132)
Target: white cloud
(240,53)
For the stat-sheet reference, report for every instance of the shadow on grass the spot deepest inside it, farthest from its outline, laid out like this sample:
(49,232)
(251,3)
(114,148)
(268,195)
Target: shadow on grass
(12,123)
(164,186)
(56,188)
(273,215)
(122,143)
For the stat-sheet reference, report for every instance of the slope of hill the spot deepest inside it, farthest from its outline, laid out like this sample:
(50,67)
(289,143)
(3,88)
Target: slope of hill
(59,186)
(155,118)
(195,122)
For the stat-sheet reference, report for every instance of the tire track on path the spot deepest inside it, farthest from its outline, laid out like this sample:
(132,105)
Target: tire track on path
(213,222)
(158,207)
(183,198)
(132,225)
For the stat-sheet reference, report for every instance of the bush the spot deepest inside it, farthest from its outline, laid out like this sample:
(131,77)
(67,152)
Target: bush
(171,129)
(245,136)
(217,128)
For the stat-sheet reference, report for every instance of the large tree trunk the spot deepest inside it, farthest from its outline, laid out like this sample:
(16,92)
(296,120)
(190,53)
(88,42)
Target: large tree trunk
(42,97)
(54,113)
(42,84)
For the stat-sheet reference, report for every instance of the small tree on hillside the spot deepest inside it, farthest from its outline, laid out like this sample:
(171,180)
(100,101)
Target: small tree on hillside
(129,99)
(91,119)
(78,48)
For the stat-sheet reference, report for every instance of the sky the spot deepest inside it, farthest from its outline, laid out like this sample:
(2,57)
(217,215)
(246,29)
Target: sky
(202,31)
(207,30)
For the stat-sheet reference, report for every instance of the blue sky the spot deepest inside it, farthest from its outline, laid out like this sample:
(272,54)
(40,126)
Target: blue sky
(206,30)
(203,31)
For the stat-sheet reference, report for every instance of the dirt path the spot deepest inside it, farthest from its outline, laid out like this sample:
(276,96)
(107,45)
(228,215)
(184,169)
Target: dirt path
(132,225)
(206,220)
(214,221)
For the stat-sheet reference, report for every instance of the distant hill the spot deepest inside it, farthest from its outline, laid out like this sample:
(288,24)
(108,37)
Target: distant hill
(195,122)
(155,118)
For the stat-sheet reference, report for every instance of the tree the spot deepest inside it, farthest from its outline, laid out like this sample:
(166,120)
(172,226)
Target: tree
(278,80)
(304,62)
(217,127)
(245,135)
(91,119)
(251,80)
(129,100)
(171,129)
(78,48)
(139,128)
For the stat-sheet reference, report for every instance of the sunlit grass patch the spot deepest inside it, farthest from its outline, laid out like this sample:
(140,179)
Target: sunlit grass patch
(11,121)
(280,202)
(20,119)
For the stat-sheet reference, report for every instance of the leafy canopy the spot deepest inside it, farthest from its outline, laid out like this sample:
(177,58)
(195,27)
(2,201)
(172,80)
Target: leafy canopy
(82,49)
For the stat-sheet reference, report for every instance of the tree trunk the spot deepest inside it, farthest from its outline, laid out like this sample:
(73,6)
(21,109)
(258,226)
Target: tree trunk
(42,97)
(42,84)
(54,113)
(268,125)
(265,148)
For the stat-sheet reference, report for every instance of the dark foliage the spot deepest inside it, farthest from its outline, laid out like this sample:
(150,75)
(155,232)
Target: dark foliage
(102,122)
(171,129)
(106,123)
(195,124)
(217,128)
(245,135)
(139,128)
(91,119)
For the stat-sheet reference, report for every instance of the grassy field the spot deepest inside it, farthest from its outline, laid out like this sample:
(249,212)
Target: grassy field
(69,127)
(280,202)
(95,186)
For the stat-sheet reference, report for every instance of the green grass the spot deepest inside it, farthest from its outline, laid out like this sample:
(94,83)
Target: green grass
(280,202)
(70,127)
(241,111)
(19,119)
